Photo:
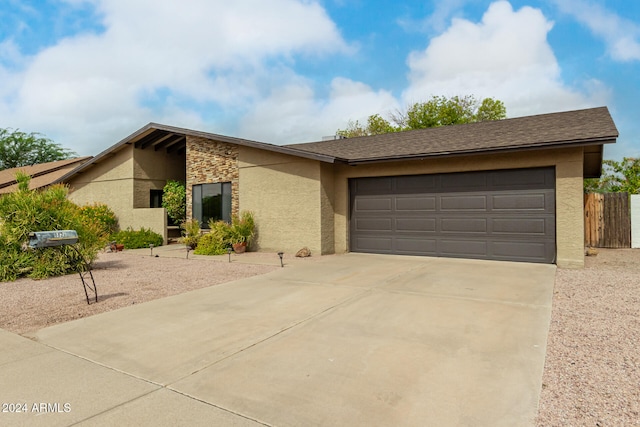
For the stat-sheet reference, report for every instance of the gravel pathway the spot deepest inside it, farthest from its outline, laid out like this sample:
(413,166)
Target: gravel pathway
(592,369)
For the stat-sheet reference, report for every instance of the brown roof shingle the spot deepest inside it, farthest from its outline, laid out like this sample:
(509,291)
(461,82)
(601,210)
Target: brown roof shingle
(42,174)
(581,127)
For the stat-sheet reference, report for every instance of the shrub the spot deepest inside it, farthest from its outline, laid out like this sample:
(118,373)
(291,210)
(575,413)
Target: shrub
(135,239)
(102,216)
(191,233)
(24,211)
(224,235)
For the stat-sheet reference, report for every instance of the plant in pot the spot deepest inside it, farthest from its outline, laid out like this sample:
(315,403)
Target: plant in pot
(242,231)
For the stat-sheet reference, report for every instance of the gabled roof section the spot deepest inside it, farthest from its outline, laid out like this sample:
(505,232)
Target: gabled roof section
(155,136)
(42,174)
(582,127)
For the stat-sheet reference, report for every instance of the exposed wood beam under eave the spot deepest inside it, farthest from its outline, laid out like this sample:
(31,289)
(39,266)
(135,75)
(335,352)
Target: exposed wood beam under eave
(168,142)
(177,145)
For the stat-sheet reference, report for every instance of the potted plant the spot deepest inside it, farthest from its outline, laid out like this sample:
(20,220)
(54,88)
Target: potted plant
(242,231)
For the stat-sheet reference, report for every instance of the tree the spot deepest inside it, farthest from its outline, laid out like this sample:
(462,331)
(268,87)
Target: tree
(24,149)
(438,111)
(174,200)
(622,176)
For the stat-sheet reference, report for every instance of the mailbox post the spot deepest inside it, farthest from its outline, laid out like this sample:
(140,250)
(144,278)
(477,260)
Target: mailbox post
(59,239)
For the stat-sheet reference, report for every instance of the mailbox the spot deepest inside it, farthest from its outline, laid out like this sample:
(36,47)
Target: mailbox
(58,239)
(49,239)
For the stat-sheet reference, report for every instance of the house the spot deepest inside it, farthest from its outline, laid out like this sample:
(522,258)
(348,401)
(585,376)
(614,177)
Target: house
(42,174)
(503,190)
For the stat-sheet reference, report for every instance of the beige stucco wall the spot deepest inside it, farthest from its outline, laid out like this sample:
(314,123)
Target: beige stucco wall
(152,169)
(287,197)
(109,182)
(569,203)
(123,182)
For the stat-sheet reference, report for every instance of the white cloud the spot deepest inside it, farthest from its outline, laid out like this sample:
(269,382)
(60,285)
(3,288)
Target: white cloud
(621,35)
(209,52)
(506,56)
(294,114)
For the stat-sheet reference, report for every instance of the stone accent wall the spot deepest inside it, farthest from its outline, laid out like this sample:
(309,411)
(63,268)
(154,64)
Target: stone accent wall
(208,162)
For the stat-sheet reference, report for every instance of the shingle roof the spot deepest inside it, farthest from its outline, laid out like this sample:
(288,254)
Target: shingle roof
(42,174)
(581,127)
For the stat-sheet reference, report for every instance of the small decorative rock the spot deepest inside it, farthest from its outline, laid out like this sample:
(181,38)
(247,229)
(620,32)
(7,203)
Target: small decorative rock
(303,253)
(592,251)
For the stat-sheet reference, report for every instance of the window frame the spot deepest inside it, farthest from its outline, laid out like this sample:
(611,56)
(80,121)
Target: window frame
(203,210)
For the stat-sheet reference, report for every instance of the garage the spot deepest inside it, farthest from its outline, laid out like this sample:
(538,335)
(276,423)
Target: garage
(499,215)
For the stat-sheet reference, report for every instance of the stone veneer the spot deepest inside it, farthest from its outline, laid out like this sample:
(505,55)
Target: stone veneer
(209,162)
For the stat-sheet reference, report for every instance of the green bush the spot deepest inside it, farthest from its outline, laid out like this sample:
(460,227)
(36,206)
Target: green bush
(101,215)
(223,235)
(134,239)
(25,211)
(216,241)
(191,233)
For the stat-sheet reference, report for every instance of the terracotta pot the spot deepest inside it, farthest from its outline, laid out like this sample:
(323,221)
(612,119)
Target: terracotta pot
(240,248)
(119,247)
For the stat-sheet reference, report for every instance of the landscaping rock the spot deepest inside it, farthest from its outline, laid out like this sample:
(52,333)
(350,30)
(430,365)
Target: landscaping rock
(304,252)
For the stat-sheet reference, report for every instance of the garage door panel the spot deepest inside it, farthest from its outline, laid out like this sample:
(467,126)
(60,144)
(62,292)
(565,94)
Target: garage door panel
(418,203)
(514,179)
(521,226)
(416,246)
(374,204)
(463,203)
(523,251)
(374,185)
(503,215)
(520,202)
(415,184)
(463,225)
(374,224)
(463,248)
(375,244)
(463,181)
(416,224)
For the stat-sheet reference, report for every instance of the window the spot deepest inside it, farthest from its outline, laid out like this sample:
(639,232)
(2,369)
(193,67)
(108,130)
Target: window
(211,201)
(155,199)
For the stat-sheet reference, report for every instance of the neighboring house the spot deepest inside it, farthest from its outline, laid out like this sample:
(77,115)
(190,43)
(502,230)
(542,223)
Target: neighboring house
(42,174)
(503,190)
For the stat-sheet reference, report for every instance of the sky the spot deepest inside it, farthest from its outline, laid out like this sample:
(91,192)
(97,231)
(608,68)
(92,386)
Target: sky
(87,73)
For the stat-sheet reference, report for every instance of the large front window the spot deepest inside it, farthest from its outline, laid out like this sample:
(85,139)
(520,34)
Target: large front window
(212,202)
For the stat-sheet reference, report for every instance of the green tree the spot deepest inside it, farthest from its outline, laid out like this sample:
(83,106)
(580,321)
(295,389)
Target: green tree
(24,149)
(622,176)
(174,200)
(437,111)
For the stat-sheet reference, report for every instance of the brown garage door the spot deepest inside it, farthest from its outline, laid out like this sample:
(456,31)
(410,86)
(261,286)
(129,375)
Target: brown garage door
(500,215)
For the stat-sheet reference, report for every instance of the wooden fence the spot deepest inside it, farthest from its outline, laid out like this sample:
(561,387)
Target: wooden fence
(607,220)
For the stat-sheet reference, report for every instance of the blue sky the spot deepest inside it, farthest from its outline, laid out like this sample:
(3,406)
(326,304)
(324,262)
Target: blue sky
(87,73)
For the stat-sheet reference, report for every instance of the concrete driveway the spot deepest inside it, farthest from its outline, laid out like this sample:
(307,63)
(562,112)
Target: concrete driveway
(356,339)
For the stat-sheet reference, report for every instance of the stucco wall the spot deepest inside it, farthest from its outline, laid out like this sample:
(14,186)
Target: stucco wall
(286,196)
(152,169)
(112,182)
(109,182)
(569,203)
(155,219)
(208,162)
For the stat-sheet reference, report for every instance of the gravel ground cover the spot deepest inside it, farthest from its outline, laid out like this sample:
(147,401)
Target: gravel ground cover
(122,279)
(592,368)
